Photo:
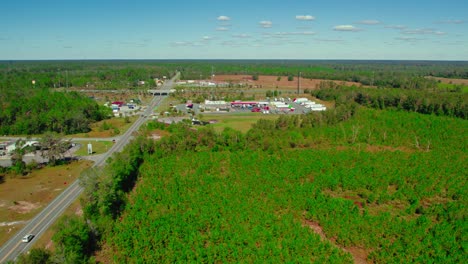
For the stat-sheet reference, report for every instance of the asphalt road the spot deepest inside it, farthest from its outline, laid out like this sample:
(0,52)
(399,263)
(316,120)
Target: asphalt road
(42,221)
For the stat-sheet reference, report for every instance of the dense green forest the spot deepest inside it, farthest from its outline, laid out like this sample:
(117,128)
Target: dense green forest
(414,100)
(392,183)
(37,111)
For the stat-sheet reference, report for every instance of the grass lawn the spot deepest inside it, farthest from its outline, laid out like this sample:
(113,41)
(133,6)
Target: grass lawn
(239,121)
(99,147)
(22,197)
(107,128)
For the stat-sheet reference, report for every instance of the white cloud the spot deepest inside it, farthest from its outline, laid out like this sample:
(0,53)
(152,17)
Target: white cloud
(181,43)
(286,34)
(233,44)
(304,33)
(305,17)
(186,44)
(408,39)
(206,38)
(349,28)
(276,35)
(369,22)
(328,40)
(422,31)
(222,29)
(223,18)
(241,35)
(297,42)
(399,27)
(265,24)
(450,21)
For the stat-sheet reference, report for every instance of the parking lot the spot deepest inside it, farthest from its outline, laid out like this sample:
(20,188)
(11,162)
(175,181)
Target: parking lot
(294,108)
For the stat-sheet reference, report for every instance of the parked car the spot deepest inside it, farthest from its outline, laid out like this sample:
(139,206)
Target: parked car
(256,109)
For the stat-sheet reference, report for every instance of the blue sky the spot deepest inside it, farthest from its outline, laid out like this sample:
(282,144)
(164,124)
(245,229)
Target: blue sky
(255,29)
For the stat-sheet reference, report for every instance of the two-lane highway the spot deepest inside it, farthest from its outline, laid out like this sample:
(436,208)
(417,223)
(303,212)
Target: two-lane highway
(42,221)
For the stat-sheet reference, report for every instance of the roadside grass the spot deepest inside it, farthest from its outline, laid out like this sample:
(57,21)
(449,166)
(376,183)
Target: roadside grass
(107,128)
(165,105)
(99,147)
(45,241)
(22,197)
(238,121)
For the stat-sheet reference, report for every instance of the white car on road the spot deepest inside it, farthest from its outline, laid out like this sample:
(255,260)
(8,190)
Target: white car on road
(27,238)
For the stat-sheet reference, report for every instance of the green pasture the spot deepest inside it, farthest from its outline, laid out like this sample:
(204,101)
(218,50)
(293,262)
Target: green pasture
(238,121)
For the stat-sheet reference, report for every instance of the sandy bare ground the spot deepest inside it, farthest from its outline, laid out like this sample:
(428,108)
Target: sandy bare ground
(272,82)
(359,254)
(24,207)
(12,223)
(451,81)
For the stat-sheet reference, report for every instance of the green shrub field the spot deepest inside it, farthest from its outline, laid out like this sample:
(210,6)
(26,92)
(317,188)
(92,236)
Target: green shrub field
(388,182)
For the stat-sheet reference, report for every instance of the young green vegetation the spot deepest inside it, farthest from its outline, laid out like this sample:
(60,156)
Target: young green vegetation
(389,182)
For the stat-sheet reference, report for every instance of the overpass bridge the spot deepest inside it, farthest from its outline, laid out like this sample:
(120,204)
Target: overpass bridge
(161,92)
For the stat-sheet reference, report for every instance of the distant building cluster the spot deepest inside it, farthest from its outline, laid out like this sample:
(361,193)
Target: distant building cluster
(200,83)
(120,108)
(267,106)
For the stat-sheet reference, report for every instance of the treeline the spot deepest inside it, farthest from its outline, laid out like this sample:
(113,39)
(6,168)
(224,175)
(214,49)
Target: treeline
(41,110)
(126,74)
(82,74)
(395,74)
(420,101)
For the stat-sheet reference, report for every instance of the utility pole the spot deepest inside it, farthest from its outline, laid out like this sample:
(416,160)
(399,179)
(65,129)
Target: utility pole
(212,77)
(66,78)
(298,82)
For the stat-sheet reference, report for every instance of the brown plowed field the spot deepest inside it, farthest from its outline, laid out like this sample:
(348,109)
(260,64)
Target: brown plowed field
(271,81)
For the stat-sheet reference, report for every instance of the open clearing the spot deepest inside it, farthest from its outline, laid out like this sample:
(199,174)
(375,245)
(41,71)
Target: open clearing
(451,81)
(272,82)
(241,122)
(101,130)
(22,197)
(99,147)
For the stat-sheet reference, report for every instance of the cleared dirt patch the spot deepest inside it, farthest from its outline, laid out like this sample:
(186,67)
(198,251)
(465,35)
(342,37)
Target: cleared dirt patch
(22,197)
(372,148)
(375,148)
(12,223)
(451,81)
(272,81)
(359,254)
(23,207)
